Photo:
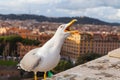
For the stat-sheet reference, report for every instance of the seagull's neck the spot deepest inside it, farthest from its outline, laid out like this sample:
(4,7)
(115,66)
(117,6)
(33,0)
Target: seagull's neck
(55,42)
(58,42)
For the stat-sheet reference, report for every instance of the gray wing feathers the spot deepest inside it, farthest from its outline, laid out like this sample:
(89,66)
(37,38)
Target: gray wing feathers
(30,60)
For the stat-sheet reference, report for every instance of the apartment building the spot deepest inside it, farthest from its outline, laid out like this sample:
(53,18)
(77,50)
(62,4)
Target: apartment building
(23,49)
(3,30)
(71,46)
(81,43)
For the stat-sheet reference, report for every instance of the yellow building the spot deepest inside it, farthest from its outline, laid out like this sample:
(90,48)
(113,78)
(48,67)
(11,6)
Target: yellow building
(71,46)
(88,42)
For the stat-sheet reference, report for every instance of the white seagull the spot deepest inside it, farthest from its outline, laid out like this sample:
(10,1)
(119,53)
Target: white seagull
(47,57)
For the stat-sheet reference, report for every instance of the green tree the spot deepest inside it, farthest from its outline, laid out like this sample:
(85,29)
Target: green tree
(87,57)
(8,44)
(1,39)
(30,42)
(13,38)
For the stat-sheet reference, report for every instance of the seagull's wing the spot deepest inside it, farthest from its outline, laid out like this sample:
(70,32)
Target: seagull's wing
(30,60)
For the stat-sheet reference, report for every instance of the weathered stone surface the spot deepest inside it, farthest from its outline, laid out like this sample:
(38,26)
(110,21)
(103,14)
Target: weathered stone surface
(89,78)
(104,68)
(115,53)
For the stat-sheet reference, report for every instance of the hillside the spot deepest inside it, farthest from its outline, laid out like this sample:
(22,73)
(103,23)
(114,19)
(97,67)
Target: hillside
(81,20)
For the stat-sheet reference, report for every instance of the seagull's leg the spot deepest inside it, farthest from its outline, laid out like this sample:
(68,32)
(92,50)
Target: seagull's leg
(44,75)
(35,75)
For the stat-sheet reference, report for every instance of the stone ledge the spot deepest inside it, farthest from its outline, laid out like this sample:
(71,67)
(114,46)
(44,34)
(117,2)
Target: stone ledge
(104,68)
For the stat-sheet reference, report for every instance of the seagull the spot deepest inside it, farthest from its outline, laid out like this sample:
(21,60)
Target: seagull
(47,57)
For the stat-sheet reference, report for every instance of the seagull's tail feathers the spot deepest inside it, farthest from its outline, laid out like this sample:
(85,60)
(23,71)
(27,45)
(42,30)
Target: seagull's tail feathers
(18,66)
(21,66)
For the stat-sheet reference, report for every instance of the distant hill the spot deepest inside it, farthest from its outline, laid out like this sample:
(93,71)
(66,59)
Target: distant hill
(81,20)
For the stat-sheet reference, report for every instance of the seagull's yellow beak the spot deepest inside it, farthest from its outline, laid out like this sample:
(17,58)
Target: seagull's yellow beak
(69,25)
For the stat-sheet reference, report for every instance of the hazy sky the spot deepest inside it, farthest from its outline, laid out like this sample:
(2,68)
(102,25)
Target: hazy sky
(107,10)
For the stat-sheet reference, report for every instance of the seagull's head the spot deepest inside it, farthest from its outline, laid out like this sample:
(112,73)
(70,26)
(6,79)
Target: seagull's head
(64,30)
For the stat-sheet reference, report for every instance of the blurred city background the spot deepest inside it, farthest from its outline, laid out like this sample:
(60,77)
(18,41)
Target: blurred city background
(25,25)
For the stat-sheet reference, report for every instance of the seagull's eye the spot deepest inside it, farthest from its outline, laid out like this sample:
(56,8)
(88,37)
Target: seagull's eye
(61,26)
